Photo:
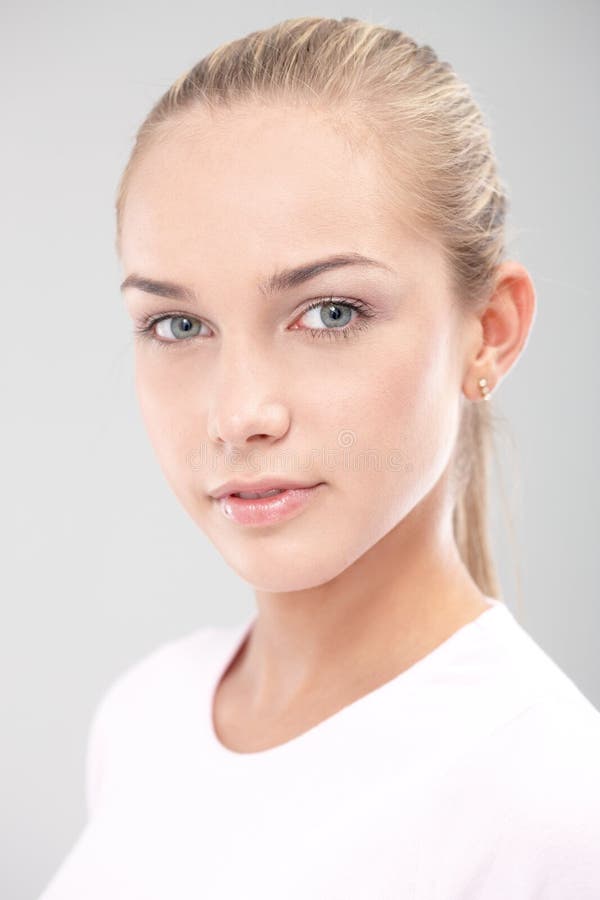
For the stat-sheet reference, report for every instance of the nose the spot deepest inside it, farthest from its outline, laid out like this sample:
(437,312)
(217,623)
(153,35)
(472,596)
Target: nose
(246,404)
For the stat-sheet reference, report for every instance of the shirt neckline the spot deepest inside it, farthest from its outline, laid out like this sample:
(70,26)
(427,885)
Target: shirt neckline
(235,638)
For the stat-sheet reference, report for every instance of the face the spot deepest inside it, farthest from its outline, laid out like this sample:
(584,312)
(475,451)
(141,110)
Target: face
(360,393)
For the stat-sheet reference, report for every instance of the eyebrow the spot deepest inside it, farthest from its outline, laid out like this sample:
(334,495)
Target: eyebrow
(278,281)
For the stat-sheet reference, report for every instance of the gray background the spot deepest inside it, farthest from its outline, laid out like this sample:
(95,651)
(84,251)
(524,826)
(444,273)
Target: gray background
(100,562)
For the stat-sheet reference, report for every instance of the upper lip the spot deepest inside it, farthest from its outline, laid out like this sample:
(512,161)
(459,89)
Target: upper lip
(264,484)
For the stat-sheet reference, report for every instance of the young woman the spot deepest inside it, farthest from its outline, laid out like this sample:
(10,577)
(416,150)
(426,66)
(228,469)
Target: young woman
(311,227)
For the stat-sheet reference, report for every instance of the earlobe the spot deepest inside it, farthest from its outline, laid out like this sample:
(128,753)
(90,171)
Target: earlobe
(484,388)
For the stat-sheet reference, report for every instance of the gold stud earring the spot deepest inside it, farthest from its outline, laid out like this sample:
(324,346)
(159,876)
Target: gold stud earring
(483,387)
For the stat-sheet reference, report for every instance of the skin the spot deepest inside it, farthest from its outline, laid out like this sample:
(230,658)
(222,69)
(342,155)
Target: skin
(367,579)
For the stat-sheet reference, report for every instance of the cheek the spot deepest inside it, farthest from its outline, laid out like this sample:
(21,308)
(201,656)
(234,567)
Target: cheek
(164,404)
(397,417)
(381,400)
(423,413)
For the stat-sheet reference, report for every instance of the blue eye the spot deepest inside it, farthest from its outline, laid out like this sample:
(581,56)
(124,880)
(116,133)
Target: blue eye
(334,315)
(181,326)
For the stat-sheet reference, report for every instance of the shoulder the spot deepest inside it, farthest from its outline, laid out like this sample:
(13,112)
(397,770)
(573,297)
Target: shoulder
(519,814)
(186,657)
(542,760)
(142,702)
(548,765)
(154,670)
(513,671)
(547,757)
(552,760)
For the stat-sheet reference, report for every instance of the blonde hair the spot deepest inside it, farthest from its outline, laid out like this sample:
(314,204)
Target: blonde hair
(379,85)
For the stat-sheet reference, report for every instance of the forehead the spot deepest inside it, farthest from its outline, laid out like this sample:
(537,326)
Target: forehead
(258,178)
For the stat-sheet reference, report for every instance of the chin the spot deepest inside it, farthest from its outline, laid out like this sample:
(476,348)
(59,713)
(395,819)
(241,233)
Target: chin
(293,569)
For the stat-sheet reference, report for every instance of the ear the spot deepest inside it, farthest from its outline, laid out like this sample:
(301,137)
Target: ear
(505,323)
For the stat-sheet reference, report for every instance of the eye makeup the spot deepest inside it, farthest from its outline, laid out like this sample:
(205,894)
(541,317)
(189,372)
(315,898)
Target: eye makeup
(145,328)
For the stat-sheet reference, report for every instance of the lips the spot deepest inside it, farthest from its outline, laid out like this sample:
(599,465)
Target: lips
(271,510)
(264,485)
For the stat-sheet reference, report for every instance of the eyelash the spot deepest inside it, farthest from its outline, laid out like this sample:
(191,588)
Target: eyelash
(145,326)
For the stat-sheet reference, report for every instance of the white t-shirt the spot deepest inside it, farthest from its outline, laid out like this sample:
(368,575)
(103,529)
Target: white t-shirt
(472,775)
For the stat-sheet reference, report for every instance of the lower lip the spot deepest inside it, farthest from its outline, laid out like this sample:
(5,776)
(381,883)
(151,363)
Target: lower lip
(269,510)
